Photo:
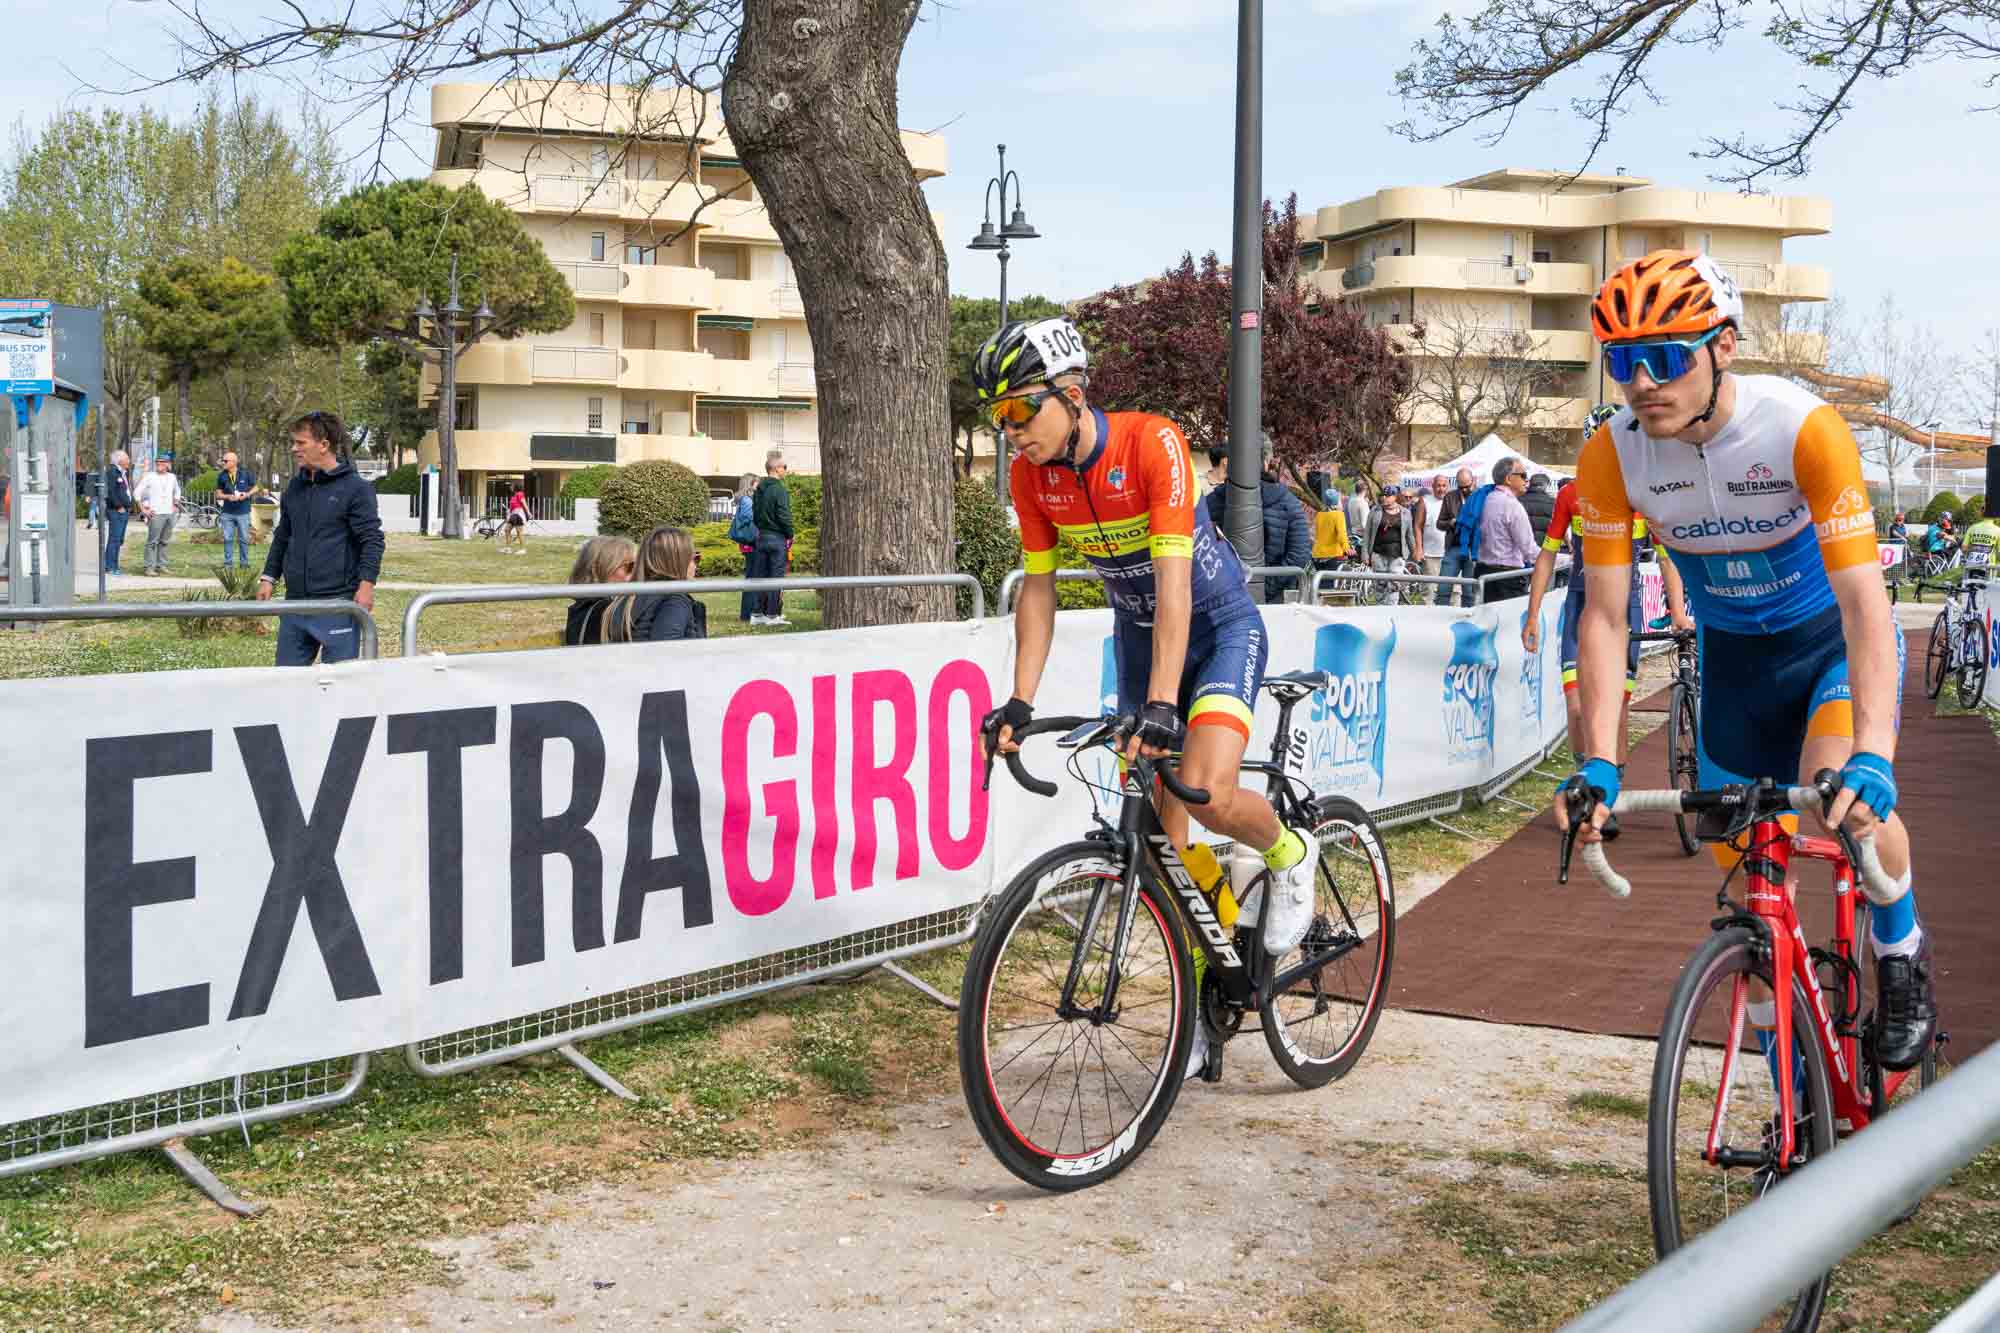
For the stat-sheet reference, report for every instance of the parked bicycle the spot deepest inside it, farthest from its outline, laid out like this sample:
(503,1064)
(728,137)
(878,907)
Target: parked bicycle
(1958,646)
(200,515)
(1728,1117)
(1077,1013)
(1683,721)
(1932,564)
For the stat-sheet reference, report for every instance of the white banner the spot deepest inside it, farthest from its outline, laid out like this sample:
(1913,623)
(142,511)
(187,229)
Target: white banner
(223,871)
(1987,599)
(1891,555)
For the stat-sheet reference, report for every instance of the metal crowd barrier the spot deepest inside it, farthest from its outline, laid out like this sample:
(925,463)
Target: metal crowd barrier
(1010,586)
(1486,581)
(163,1119)
(1820,1215)
(558,1029)
(1326,581)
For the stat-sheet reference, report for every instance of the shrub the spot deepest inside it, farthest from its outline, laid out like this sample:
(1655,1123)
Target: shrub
(987,546)
(588,483)
(200,488)
(805,500)
(1078,594)
(398,481)
(642,495)
(720,558)
(1944,502)
(1973,510)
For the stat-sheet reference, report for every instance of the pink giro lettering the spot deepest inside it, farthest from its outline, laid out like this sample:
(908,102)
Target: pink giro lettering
(752,896)
(889,781)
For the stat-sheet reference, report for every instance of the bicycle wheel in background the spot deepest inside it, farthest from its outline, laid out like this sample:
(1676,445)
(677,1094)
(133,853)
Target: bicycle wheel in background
(1972,649)
(1319,1026)
(1690,1195)
(1065,1102)
(1937,656)
(1683,757)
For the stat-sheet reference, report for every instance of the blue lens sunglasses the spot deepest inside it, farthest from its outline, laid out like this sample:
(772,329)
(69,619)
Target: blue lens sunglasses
(1663,361)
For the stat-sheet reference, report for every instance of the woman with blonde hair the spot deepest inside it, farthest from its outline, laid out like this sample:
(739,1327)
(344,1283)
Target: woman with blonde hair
(743,530)
(601,560)
(666,555)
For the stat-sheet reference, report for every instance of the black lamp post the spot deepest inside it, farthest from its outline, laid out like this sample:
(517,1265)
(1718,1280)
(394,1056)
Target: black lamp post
(1015,228)
(444,335)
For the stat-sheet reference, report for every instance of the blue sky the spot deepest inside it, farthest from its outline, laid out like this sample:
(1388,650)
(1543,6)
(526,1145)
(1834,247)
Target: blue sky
(1119,116)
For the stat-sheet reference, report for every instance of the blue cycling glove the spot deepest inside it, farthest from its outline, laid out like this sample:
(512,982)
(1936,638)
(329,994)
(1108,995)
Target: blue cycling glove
(1603,775)
(1872,779)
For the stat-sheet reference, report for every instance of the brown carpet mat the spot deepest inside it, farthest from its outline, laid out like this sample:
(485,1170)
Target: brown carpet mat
(1502,942)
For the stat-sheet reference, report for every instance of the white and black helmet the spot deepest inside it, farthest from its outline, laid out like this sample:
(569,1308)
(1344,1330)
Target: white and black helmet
(1027,352)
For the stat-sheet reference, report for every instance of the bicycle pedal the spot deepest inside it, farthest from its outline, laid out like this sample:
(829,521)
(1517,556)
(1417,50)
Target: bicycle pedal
(1211,1069)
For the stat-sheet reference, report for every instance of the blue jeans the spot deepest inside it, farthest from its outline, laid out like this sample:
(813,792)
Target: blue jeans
(301,639)
(767,561)
(114,537)
(1455,566)
(235,526)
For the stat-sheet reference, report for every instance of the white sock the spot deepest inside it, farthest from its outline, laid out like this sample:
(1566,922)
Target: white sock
(1903,948)
(1762,1014)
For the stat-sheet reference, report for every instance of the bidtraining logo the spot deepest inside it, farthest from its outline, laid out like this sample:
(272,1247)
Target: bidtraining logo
(1468,693)
(1531,680)
(1759,480)
(1340,738)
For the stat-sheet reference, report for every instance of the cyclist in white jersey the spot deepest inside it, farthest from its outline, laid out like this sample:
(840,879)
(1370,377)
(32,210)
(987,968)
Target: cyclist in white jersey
(1753,486)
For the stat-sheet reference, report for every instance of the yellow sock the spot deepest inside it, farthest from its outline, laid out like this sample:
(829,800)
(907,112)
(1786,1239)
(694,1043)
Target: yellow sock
(1287,852)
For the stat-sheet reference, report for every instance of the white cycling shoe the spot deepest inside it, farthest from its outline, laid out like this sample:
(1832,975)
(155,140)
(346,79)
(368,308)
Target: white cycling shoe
(1288,900)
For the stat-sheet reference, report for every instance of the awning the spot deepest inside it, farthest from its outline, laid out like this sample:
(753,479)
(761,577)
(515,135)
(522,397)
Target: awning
(722,162)
(739,322)
(760,404)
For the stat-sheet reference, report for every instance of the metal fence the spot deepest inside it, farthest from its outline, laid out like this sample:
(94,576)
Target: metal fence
(558,1029)
(162,1119)
(1010,586)
(1336,582)
(1731,1277)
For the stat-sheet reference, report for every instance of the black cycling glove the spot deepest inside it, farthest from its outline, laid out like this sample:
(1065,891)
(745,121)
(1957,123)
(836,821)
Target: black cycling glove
(1160,726)
(1014,714)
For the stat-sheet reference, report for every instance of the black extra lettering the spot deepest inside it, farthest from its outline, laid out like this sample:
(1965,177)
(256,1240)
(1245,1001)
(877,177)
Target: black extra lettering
(114,884)
(536,835)
(663,731)
(440,737)
(302,866)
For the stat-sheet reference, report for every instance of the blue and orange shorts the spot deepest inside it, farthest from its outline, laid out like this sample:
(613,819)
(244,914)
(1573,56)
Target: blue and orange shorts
(1635,616)
(1225,667)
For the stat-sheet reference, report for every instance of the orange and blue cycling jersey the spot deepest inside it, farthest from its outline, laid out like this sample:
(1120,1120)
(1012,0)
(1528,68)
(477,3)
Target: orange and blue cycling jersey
(1566,530)
(1131,501)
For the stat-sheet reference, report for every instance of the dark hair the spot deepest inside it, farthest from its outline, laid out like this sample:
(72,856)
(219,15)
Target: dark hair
(326,428)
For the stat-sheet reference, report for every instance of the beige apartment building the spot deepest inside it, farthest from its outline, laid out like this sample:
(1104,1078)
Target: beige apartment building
(1511,260)
(690,339)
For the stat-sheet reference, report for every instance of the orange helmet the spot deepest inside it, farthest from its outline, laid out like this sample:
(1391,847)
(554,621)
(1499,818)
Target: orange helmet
(1669,292)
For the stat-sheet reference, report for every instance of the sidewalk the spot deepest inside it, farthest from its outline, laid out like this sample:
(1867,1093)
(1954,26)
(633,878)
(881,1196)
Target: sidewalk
(134,552)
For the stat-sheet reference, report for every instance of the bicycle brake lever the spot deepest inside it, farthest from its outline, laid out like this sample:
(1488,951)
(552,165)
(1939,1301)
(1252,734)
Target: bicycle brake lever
(1575,794)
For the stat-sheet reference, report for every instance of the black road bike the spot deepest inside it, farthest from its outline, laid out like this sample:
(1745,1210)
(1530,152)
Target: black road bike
(1077,1013)
(1683,723)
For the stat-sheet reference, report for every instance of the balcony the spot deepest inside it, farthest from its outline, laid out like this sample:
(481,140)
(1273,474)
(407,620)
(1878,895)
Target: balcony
(1360,275)
(1558,414)
(738,220)
(672,201)
(1541,279)
(1787,282)
(670,285)
(491,363)
(717,458)
(926,152)
(590,279)
(669,372)
(1556,345)
(579,365)
(763,379)
(1781,349)
(609,196)
(481,450)
(758,300)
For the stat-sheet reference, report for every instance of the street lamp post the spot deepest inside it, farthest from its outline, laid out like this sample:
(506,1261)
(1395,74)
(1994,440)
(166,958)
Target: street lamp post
(444,335)
(1932,426)
(1015,228)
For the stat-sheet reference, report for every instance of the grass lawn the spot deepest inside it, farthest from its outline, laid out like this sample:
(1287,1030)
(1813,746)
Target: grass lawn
(408,558)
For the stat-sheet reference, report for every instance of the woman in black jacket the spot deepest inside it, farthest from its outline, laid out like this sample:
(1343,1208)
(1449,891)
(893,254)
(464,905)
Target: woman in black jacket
(602,560)
(666,555)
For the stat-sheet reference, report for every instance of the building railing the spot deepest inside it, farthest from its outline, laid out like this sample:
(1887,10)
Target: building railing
(590,279)
(788,300)
(1751,277)
(553,191)
(1357,275)
(574,363)
(1491,272)
(794,377)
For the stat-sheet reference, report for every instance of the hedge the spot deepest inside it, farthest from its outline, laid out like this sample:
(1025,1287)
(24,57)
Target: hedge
(720,558)
(1944,502)
(987,545)
(588,483)
(1973,510)
(642,495)
(805,500)
(200,488)
(398,481)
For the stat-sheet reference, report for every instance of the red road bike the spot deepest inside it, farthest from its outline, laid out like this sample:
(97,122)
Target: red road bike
(1728,1118)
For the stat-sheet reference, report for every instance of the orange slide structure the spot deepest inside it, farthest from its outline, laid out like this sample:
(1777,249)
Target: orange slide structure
(1851,395)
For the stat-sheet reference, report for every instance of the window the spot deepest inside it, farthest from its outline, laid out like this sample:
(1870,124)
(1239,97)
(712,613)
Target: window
(600,163)
(597,247)
(594,418)
(465,412)
(1507,249)
(641,250)
(641,334)
(595,324)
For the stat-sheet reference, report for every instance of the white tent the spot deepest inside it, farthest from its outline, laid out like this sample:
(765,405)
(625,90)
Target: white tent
(1480,459)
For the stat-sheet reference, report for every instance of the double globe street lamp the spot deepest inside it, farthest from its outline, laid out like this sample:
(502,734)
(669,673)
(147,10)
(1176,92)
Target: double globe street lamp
(1015,228)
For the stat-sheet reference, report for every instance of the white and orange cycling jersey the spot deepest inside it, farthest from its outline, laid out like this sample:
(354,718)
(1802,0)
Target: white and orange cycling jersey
(1753,519)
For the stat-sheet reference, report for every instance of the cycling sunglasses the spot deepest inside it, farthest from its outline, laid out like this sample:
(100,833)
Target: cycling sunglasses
(1663,361)
(1018,412)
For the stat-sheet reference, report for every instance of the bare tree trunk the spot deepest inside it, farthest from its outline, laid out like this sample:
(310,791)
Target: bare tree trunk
(184,380)
(805,74)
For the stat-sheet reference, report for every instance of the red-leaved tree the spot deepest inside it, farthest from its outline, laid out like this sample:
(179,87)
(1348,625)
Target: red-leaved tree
(1333,386)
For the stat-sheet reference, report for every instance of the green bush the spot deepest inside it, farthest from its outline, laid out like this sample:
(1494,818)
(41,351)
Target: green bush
(805,500)
(644,494)
(987,546)
(398,481)
(588,483)
(720,558)
(1944,502)
(200,488)
(1973,510)
(1076,594)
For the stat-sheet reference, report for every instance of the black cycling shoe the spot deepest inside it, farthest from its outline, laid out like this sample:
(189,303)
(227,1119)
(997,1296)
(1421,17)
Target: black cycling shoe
(1907,1019)
(1610,830)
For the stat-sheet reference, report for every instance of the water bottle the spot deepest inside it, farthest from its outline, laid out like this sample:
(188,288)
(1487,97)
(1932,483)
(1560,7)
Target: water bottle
(1247,876)
(1207,871)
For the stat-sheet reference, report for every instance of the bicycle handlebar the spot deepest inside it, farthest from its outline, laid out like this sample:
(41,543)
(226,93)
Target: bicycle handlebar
(1148,768)
(1662,635)
(1816,797)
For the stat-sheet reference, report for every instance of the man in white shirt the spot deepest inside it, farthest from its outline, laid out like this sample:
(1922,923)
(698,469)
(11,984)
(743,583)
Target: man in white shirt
(159,499)
(1433,534)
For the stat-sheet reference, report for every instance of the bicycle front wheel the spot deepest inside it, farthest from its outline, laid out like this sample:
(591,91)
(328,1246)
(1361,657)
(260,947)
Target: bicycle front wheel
(1937,656)
(1069,1097)
(1683,757)
(1691,1100)
(1972,649)
(1320,1023)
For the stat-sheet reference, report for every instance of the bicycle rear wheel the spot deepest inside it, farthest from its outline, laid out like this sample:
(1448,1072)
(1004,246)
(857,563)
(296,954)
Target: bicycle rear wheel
(1683,756)
(1937,656)
(1067,1101)
(1972,648)
(1689,1194)
(1322,1022)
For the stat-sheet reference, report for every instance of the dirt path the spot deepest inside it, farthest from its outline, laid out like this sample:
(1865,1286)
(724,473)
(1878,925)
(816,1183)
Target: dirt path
(1255,1197)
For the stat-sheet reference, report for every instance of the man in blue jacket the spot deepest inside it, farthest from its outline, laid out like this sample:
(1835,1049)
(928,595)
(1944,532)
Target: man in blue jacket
(328,544)
(1287,531)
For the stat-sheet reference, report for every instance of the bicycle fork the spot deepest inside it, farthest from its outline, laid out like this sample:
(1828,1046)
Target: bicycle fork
(1106,1008)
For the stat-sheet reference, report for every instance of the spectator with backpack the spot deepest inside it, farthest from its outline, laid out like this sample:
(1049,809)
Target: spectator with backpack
(743,531)
(1288,535)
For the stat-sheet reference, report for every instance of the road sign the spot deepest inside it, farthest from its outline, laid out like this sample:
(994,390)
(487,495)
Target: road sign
(27,347)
